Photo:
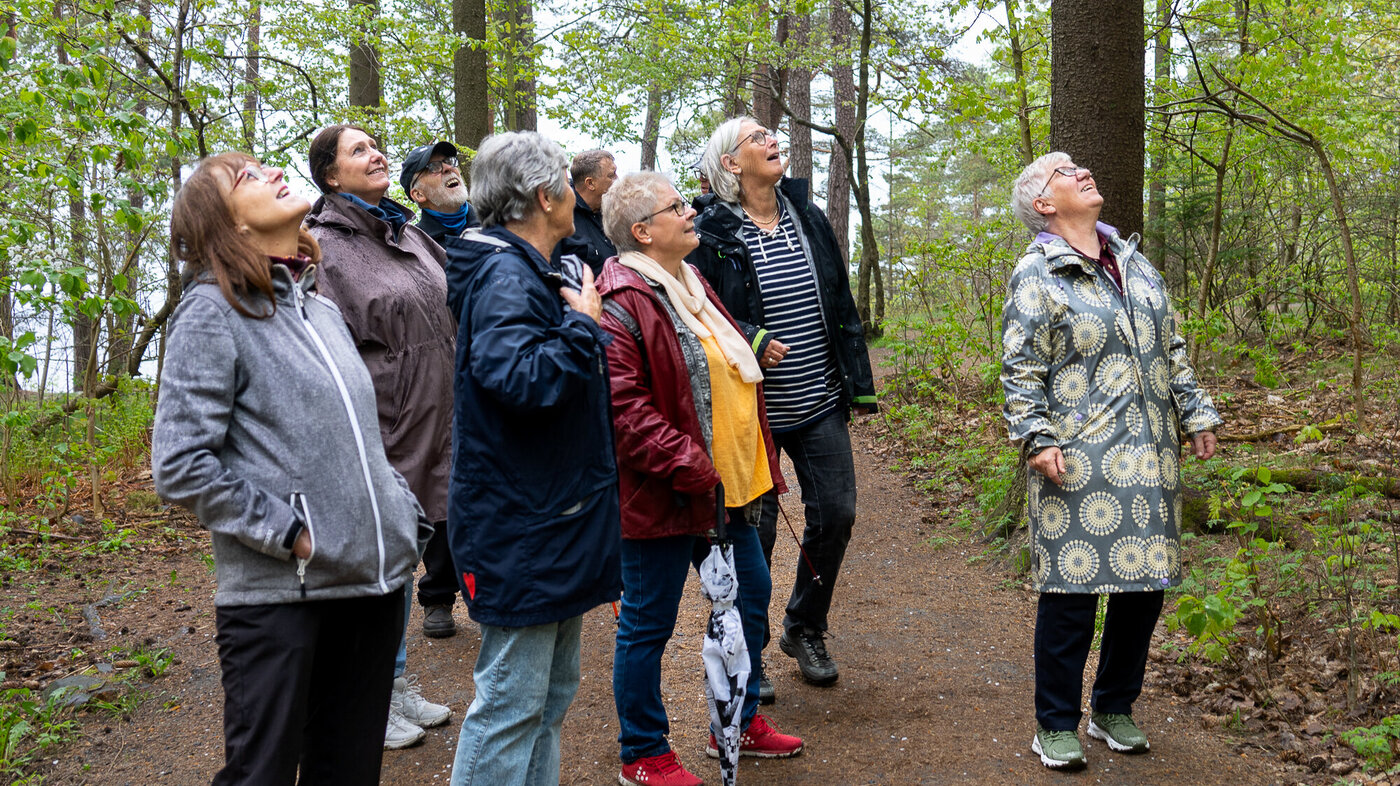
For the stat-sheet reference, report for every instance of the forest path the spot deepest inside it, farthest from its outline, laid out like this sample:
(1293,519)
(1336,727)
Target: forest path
(936,679)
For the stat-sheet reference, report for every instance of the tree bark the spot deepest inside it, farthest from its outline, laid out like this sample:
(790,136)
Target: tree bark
(365,86)
(250,74)
(651,128)
(799,90)
(470,69)
(1155,232)
(1217,215)
(1097,98)
(1018,68)
(869,245)
(838,183)
(518,111)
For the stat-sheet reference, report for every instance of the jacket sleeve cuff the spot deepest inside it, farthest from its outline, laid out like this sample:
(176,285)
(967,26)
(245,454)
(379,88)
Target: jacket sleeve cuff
(760,341)
(871,403)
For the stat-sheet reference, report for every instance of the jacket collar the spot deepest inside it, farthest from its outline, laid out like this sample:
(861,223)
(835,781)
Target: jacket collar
(332,211)
(721,220)
(1058,252)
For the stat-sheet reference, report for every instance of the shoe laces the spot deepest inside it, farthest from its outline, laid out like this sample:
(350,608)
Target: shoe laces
(411,687)
(816,644)
(1052,737)
(664,764)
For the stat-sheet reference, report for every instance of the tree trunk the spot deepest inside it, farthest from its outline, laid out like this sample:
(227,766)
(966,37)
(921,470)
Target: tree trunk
(799,90)
(517,22)
(1018,68)
(869,245)
(470,69)
(250,74)
(1217,215)
(651,128)
(365,88)
(1155,232)
(1097,98)
(1353,278)
(838,183)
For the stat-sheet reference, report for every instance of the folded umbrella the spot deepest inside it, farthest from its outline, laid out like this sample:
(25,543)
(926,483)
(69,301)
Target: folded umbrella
(723,650)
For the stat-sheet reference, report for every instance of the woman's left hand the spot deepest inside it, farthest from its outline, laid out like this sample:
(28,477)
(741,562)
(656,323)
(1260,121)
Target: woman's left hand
(584,300)
(1203,444)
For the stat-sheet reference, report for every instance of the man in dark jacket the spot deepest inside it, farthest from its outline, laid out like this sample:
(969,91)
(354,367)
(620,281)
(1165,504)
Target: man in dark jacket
(593,173)
(432,178)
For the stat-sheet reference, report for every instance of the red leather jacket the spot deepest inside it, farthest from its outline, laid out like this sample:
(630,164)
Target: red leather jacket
(665,477)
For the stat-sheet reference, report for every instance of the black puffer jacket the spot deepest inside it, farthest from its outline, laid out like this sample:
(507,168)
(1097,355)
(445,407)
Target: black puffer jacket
(724,260)
(588,242)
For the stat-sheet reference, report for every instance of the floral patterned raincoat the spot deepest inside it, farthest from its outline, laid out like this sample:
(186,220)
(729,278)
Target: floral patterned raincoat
(1104,376)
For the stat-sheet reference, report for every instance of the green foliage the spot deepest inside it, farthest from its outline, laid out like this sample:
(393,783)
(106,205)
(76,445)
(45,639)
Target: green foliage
(29,726)
(1376,745)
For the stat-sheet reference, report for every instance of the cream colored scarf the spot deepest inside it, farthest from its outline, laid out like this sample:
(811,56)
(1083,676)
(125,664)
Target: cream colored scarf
(698,313)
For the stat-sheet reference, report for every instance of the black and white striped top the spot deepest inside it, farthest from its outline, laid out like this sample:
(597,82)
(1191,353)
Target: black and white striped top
(804,386)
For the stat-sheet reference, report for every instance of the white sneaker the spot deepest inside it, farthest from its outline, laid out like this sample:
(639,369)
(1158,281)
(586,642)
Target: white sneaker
(413,707)
(400,732)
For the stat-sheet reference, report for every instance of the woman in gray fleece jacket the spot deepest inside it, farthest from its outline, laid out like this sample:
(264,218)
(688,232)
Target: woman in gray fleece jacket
(267,430)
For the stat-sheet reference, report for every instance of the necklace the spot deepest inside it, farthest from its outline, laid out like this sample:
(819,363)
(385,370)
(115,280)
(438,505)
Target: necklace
(771,219)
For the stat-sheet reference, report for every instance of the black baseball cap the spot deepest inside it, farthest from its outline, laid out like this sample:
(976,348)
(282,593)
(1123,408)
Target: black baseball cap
(417,160)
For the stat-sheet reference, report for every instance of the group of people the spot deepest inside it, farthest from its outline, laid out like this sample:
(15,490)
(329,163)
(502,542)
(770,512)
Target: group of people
(551,388)
(547,392)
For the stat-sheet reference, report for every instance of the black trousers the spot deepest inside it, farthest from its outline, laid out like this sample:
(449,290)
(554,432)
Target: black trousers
(1064,629)
(438,587)
(306,686)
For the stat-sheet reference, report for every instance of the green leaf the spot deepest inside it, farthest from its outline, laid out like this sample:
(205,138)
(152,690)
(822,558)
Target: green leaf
(1265,475)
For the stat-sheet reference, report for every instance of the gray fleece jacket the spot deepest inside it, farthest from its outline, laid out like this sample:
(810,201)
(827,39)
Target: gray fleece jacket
(266,426)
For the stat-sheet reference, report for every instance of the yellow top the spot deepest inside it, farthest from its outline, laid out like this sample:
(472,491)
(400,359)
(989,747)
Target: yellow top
(738,451)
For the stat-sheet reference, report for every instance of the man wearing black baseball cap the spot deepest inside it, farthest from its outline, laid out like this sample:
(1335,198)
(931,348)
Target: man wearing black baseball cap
(433,180)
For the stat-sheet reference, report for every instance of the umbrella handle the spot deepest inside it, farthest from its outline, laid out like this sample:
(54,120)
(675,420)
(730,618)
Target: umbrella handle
(721,515)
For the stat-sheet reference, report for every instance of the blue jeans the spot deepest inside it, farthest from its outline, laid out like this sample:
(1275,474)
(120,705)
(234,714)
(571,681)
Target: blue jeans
(401,659)
(826,473)
(525,679)
(653,579)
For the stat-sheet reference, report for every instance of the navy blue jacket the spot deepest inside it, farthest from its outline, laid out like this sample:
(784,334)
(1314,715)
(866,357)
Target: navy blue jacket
(724,260)
(588,242)
(533,519)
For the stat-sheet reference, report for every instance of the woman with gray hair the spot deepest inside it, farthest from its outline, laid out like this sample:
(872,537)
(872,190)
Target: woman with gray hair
(533,508)
(688,416)
(1099,396)
(773,259)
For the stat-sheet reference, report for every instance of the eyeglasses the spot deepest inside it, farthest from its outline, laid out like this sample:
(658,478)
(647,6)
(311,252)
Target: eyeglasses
(1067,171)
(758,137)
(437,166)
(251,172)
(677,206)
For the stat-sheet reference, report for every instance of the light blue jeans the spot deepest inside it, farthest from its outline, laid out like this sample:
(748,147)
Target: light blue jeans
(525,679)
(401,659)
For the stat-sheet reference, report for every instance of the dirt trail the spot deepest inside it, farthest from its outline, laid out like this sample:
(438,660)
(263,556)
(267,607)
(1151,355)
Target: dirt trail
(936,681)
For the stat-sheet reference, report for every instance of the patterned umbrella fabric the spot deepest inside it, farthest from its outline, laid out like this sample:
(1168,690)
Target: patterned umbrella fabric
(723,650)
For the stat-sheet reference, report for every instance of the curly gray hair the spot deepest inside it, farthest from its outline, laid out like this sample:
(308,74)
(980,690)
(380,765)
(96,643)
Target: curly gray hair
(723,183)
(631,200)
(1029,185)
(508,169)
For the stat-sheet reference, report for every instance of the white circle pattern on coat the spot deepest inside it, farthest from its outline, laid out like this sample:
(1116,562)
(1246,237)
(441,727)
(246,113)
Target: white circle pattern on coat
(1098,424)
(1012,339)
(1157,377)
(1171,473)
(1029,296)
(1133,419)
(1146,332)
(1088,333)
(1120,465)
(1079,469)
(1100,513)
(1149,469)
(1127,558)
(1091,292)
(1142,512)
(1078,562)
(1071,384)
(1042,564)
(1159,556)
(1049,344)
(1124,326)
(1115,375)
(1053,517)
(1144,293)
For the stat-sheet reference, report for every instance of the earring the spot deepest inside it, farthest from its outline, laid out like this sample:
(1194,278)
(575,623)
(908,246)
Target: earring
(549,208)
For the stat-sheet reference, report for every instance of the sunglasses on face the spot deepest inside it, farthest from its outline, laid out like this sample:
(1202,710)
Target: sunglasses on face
(1067,171)
(677,206)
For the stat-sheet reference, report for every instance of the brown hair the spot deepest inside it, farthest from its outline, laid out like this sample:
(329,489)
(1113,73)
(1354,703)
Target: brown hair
(205,236)
(324,148)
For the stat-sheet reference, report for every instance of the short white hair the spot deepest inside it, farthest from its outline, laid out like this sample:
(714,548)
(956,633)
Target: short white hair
(631,200)
(507,170)
(1029,186)
(723,183)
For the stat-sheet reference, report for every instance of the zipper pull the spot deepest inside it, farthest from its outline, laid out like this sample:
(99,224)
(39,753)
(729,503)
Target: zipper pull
(301,576)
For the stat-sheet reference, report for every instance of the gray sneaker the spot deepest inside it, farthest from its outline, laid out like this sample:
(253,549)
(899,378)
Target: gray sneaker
(1058,750)
(438,622)
(408,699)
(400,733)
(1119,731)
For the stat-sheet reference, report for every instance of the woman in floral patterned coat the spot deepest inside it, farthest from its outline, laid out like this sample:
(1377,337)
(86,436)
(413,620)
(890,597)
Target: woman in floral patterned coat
(1099,394)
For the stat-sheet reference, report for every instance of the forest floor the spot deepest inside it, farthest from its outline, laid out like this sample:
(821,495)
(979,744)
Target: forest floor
(933,639)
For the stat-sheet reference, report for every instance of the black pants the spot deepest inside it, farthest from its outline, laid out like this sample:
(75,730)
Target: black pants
(438,587)
(306,685)
(826,473)
(1064,629)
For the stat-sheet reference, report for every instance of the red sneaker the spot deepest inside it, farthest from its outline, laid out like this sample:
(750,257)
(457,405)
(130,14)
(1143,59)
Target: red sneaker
(663,770)
(762,741)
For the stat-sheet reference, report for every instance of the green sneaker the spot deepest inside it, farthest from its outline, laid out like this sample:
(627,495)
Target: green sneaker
(1058,750)
(1119,731)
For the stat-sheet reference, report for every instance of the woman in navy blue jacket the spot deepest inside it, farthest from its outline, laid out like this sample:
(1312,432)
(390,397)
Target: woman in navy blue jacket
(533,512)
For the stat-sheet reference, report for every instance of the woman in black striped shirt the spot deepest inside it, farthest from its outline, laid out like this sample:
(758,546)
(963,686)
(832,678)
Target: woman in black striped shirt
(773,259)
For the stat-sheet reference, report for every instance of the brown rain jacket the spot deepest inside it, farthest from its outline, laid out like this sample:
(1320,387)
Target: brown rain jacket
(393,295)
